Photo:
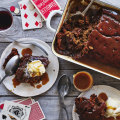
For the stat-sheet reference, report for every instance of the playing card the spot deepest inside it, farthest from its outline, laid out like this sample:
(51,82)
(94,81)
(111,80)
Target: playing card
(24,101)
(31,18)
(19,110)
(4,115)
(36,112)
(18,100)
(27,101)
(1,105)
(45,6)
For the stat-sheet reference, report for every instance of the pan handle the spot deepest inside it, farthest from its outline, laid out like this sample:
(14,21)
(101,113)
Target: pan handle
(50,17)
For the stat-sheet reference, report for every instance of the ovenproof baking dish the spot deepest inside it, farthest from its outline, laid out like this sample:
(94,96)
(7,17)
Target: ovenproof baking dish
(101,60)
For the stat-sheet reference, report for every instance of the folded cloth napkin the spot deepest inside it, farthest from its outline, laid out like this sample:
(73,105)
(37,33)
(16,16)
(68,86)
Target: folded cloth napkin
(31,19)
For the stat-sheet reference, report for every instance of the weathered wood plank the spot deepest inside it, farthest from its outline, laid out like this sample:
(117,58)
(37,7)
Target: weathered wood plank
(50,106)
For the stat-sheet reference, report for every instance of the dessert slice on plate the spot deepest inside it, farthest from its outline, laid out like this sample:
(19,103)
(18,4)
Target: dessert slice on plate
(99,103)
(31,69)
(36,72)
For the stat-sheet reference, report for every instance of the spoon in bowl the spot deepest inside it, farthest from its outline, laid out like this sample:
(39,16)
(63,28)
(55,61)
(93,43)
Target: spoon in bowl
(63,87)
(11,67)
(85,11)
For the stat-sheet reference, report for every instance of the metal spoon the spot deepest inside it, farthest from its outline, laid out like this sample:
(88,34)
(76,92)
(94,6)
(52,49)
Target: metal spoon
(63,87)
(11,67)
(85,11)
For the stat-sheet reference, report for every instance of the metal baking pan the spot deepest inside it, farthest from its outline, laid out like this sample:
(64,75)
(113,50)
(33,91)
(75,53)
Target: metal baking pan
(113,72)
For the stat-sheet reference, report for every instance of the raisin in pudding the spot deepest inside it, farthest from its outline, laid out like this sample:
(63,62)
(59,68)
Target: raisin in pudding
(93,40)
(31,69)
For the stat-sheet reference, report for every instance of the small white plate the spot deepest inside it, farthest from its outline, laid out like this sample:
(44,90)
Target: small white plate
(25,89)
(110,91)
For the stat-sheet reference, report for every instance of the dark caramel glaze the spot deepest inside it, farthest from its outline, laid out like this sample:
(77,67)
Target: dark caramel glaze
(15,82)
(39,86)
(93,40)
(45,79)
(26,51)
(82,80)
(103,96)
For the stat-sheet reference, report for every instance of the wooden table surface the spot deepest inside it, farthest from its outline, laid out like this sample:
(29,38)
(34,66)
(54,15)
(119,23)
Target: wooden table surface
(49,101)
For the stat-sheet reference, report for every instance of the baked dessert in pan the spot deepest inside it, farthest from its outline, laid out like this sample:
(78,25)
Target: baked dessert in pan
(94,37)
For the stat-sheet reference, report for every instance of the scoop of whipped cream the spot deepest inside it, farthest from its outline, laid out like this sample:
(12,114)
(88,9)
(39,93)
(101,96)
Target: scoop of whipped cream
(35,68)
(113,107)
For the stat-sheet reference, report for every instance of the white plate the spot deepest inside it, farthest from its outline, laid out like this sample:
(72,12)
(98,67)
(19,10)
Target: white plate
(110,91)
(25,89)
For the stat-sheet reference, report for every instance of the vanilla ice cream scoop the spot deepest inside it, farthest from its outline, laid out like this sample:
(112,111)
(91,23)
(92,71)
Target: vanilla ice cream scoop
(35,68)
(113,107)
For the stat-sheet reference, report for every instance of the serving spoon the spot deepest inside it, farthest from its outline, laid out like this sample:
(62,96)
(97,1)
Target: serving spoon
(63,87)
(85,11)
(11,67)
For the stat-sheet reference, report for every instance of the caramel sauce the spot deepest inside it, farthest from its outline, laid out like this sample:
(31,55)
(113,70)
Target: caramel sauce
(83,80)
(100,66)
(103,96)
(15,82)
(26,51)
(45,79)
(111,108)
(39,86)
(110,118)
(118,118)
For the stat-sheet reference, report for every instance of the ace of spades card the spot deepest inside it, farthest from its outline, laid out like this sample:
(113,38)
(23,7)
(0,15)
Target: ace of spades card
(4,115)
(20,111)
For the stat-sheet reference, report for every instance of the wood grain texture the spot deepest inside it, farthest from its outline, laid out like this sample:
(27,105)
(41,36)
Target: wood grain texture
(49,101)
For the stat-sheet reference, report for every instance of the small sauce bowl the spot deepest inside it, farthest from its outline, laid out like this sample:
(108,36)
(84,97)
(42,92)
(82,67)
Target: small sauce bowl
(82,81)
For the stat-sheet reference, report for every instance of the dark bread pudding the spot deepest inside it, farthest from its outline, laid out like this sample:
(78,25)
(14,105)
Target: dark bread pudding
(94,108)
(22,75)
(29,68)
(90,109)
(12,54)
(96,37)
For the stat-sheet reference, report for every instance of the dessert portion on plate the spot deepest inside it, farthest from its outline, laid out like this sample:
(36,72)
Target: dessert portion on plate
(98,107)
(31,69)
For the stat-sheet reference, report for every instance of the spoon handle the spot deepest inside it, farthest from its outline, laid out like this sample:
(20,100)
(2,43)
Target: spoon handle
(3,78)
(62,106)
(66,112)
(61,113)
